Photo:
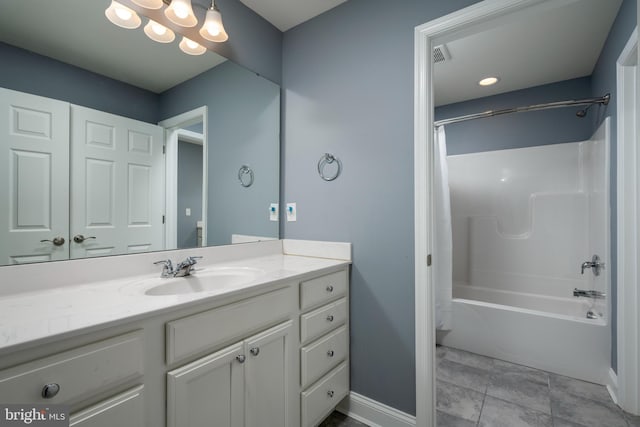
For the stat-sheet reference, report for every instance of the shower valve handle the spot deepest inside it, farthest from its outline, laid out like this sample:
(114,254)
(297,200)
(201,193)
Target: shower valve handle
(594,264)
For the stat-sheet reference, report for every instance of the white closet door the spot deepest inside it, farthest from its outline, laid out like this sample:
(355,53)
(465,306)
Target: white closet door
(117,190)
(34,165)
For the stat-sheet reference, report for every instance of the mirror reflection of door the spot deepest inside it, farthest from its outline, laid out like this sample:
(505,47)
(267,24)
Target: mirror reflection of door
(190,161)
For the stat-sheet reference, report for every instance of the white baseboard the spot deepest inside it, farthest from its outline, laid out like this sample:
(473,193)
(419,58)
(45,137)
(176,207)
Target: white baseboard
(612,386)
(374,414)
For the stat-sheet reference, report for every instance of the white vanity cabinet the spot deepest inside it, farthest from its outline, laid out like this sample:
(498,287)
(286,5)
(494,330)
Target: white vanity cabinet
(81,374)
(324,339)
(251,383)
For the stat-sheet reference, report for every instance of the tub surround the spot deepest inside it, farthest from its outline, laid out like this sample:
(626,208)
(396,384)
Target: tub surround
(46,302)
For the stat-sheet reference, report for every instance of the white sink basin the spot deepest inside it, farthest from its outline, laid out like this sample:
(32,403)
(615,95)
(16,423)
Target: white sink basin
(206,280)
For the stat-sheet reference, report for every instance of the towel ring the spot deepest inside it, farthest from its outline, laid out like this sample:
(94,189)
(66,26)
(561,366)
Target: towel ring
(325,160)
(245,176)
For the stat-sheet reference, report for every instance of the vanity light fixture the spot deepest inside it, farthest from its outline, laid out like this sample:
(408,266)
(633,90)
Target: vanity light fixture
(122,16)
(213,28)
(149,4)
(181,13)
(489,81)
(190,47)
(158,32)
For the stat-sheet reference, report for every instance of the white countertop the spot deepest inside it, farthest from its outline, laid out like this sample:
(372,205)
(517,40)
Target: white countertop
(29,317)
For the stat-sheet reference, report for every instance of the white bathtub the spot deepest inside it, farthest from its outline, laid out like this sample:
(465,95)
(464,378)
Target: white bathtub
(548,333)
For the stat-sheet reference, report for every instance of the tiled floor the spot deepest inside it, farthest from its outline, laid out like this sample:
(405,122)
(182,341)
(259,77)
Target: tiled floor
(474,390)
(478,391)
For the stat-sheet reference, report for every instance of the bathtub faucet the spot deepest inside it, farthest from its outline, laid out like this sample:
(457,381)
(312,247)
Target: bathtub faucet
(590,294)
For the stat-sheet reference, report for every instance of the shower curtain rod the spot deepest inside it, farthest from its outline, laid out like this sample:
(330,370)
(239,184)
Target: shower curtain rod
(492,113)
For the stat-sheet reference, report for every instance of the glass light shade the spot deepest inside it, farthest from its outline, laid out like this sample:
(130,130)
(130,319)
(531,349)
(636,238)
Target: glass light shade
(190,47)
(181,13)
(158,32)
(122,16)
(213,29)
(149,4)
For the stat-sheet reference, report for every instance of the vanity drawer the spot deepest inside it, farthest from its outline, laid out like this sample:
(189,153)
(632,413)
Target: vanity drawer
(204,331)
(322,397)
(125,409)
(79,373)
(322,355)
(323,289)
(322,320)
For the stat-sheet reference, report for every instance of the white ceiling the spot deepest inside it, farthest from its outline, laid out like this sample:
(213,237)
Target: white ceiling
(557,44)
(286,14)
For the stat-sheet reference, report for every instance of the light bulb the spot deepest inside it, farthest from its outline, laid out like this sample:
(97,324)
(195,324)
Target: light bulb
(122,16)
(190,47)
(181,11)
(213,29)
(192,44)
(158,32)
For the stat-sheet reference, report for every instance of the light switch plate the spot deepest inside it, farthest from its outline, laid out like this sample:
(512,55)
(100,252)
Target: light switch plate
(274,212)
(187,211)
(292,212)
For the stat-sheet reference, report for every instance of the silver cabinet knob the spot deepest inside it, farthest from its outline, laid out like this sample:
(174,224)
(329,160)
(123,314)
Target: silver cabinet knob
(330,318)
(241,358)
(57,241)
(79,238)
(330,288)
(330,353)
(255,351)
(50,390)
(330,393)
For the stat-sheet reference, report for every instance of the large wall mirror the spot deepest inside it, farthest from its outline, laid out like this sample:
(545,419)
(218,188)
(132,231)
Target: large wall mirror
(111,143)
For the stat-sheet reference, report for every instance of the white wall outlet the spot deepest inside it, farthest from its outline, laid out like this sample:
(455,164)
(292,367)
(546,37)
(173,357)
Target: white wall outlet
(292,212)
(187,211)
(274,212)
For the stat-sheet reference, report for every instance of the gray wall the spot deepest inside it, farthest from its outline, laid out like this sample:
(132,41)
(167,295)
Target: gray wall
(190,193)
(603,81)
(29,72)
(348,89)
(519,130)
(243,128)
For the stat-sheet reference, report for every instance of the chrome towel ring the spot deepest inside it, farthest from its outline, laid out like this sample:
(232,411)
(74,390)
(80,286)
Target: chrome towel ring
(245,176)
(329,159)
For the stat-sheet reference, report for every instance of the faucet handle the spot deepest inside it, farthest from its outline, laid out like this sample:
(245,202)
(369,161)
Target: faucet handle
(167,267)
(165,262)
(191,260)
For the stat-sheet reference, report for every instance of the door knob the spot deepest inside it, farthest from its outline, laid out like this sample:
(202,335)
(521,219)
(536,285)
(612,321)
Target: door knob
(79,238)
(57,241)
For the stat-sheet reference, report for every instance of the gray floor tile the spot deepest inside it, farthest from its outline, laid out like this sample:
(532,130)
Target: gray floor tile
(336,419)
(458,401)
(445,420)
(463,375)
(579,388)
(523,372)
(590,413)
(513,388)
(466,358)
(498,413)
(633,420)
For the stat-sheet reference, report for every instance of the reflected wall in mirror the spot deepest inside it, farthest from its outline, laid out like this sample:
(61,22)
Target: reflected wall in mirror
(81,152)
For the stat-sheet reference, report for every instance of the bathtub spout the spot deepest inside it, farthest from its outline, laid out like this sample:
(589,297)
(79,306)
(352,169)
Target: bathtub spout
(588,293)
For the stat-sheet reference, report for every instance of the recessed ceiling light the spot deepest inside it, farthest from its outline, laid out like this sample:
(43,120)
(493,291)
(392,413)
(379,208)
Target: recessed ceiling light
(488,81)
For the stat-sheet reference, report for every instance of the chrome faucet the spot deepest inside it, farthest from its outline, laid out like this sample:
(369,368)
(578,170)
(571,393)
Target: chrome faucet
(167,268)
(588,293)
(186,267)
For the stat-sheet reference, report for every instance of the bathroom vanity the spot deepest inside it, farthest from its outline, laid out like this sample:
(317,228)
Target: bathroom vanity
(258,336)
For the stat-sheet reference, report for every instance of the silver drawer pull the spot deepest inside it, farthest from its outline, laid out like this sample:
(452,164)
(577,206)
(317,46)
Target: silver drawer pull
(330,353)
(330,393)
(330,318)
(255,351)
(50,390)
(330,288)
(241,358)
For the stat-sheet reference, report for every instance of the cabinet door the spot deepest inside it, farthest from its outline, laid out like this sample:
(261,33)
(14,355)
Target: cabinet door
(208,392)
(271,378)
(126,409)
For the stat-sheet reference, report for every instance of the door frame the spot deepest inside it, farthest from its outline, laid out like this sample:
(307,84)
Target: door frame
(462,22)
(628,215)
(173,130)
